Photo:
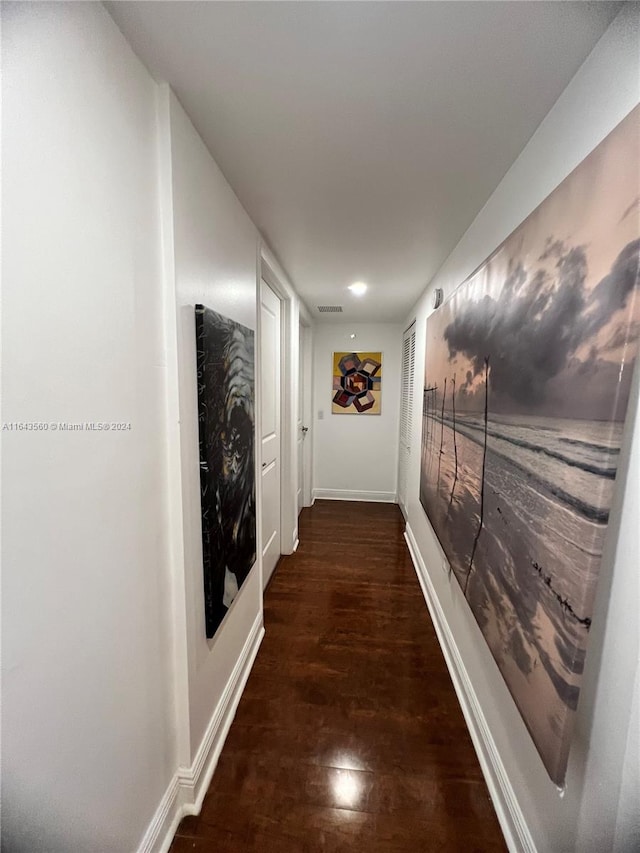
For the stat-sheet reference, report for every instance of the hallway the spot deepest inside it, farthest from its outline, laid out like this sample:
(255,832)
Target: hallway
(348,735)
(444,198)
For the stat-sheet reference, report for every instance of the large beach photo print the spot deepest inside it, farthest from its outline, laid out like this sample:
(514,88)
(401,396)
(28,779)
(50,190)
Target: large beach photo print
(528,374)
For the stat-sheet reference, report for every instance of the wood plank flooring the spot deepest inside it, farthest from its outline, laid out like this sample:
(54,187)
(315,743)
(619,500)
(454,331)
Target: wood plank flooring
(349,736)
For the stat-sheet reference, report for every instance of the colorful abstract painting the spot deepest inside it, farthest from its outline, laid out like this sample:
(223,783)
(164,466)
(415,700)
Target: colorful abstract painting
(226,389)
(528,374)
(357,383)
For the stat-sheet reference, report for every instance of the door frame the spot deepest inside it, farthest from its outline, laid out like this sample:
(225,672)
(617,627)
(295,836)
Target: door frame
(403,499)
(306,392)
(288,403)
(263,288)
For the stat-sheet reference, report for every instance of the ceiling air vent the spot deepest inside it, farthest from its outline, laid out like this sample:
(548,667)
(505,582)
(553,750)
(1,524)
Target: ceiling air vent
(330,309)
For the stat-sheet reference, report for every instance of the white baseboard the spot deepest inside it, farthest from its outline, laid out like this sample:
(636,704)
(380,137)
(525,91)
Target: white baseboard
(510,816)
(189,785)
(347,495)
(195,780)
(160,832)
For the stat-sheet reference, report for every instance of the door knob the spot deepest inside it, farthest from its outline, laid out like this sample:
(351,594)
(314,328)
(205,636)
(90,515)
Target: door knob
(305,430)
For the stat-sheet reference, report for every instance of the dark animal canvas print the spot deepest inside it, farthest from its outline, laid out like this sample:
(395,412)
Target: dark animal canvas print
(527,380)
(225,360)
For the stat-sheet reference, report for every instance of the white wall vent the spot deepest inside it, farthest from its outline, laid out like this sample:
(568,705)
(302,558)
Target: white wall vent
(330,309)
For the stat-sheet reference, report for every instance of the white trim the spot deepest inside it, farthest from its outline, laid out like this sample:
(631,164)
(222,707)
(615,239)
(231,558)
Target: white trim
(289,343)
(189,785)
(406,421)
(295,545)
(258,407)
(173,453)
(160,832)
(348,495)
(510,816)
(305,391)
(195,780)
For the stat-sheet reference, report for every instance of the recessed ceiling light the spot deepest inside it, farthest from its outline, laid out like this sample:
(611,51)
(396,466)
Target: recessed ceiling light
(358,288)
(352,335)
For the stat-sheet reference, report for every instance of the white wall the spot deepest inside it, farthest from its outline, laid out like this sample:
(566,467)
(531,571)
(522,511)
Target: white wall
(585,817)
(116,222)
(214,256)
(627,830)
(88,740)
(356,456)
(215,249)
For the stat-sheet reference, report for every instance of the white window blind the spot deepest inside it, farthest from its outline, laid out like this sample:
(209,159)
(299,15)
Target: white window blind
(406,412)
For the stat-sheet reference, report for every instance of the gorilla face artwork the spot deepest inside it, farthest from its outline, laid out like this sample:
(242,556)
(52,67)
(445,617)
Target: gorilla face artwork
(226,395)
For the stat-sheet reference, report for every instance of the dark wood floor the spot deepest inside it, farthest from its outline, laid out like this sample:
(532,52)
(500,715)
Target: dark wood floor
(349,736)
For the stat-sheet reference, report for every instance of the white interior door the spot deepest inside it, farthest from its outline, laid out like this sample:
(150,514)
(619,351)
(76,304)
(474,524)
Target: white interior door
(301,429)
(406,410)
(270,353)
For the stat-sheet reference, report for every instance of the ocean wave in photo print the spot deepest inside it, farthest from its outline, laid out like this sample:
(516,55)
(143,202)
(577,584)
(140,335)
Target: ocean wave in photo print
(527,380)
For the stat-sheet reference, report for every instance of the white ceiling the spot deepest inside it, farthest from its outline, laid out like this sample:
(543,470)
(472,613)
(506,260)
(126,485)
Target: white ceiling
(364,137)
